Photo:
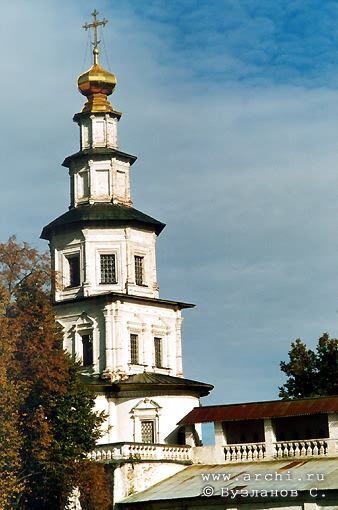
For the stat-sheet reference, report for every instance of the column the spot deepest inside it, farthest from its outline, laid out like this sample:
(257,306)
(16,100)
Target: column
(332,420)
(270,437)
(220,439)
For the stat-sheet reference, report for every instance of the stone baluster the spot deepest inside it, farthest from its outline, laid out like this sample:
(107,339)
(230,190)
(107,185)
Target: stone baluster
(297,450)
(309,450)
(254,453)
(274,451)
(260,451)
(315,448)
(238,454)
(291,450)
(285,450)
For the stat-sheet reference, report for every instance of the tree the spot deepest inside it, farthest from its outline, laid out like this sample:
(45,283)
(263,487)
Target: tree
(311,373)
(11,484)
(51,424)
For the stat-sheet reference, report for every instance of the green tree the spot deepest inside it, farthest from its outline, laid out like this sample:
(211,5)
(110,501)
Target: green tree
(311,373)
(52,421)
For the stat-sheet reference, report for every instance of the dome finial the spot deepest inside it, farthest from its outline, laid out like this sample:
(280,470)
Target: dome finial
(94,26)
(97,83)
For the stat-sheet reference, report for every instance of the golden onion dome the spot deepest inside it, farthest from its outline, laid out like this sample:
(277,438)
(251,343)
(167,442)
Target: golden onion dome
(96,84)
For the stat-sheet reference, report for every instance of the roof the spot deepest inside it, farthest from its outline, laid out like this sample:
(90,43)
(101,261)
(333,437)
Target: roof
(100,151)
(104,214)
(259,410)
(293,476)
(122,296)
(152,381)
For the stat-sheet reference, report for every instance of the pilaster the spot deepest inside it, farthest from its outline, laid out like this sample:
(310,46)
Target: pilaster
(179,367)
(117,341)
(108,340)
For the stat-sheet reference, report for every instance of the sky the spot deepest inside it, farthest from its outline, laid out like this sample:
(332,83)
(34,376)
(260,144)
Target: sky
(231,108)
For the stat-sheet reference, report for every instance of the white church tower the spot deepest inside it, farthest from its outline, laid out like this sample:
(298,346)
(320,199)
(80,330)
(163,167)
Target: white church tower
(106,296)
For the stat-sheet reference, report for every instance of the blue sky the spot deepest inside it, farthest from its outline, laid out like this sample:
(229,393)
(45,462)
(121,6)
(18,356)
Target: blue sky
(231,108)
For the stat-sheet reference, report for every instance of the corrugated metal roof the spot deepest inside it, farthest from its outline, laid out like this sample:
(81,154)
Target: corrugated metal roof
(259,410)
(261,476)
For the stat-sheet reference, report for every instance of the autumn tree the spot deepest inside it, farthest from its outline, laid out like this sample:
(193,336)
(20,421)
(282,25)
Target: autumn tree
(311,373)
(11,395)
(51,424)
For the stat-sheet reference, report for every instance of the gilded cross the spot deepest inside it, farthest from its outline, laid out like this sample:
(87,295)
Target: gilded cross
(94,26)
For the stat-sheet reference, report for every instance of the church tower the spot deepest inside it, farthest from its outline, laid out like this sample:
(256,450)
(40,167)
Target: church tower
(106,294)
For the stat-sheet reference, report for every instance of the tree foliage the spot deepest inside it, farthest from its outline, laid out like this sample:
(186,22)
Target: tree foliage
(47,420)
(311,373)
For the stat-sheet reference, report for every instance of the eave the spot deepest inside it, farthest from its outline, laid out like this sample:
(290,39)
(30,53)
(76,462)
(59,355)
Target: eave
(119,296)
(100,151)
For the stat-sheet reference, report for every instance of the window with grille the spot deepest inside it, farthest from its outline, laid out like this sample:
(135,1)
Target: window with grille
(87,350)
(134,349)
(108,268)
(158,352)
(139,270)
(147,431)
(73,270)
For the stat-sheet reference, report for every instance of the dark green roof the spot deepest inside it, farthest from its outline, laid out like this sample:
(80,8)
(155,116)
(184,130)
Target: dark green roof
(151,381)
(103,214)
(98,152)
(124,297)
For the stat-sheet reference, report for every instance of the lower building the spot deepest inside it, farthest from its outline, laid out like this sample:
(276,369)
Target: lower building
(277,454)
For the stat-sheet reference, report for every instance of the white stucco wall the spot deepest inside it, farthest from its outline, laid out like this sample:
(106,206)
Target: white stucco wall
(124,243)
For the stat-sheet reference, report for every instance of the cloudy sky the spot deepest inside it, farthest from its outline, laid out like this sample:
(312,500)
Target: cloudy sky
(231,108)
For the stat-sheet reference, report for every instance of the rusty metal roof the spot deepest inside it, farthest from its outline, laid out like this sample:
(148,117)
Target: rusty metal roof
(288,475)
(259,410)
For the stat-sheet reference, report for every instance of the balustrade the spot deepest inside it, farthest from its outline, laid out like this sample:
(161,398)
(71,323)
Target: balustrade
(281,450)
(141,451)
(245,452)
(310,448)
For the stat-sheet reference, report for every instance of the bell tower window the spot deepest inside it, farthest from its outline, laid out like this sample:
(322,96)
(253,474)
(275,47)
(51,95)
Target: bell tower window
(73,270)
(87,350)
(108,268)
(139,270)
(134,349)
(83,184)
(158,352)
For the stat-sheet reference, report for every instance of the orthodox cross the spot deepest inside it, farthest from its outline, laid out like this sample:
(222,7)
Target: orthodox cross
(94,26)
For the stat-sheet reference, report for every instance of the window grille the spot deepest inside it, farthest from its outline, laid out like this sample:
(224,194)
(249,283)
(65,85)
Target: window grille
(74,270)
(158,352)
(134,349)
(147,431)
(108,268)
(87,350)
(139,270)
